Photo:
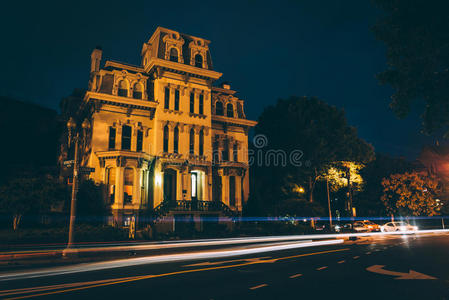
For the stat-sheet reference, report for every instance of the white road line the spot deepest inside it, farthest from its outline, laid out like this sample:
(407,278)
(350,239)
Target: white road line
(355,257)
(258,286)
(322,268)
(341,261)
(296,275)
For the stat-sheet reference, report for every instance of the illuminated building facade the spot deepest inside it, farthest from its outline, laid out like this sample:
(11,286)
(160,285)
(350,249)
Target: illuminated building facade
(163,139)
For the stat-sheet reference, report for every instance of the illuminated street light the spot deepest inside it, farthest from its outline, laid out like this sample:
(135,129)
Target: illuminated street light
(74,136)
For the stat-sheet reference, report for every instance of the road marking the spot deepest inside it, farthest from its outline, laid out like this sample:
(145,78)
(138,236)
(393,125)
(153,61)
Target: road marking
(258,286)
(399,275)
(341,262)
(127,279)
(321,268)
(355,257)
(296,275)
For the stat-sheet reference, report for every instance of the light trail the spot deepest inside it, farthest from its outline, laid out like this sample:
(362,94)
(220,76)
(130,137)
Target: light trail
(215,242)
(86,267)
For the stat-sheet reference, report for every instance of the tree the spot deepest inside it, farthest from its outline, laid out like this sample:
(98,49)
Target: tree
(416,33)
(91,206)
(317,131)
(411,194)
(368,200)
(36,194)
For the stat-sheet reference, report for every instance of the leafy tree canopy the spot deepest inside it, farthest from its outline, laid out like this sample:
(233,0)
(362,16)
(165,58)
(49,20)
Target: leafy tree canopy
(416,33)
(411,194)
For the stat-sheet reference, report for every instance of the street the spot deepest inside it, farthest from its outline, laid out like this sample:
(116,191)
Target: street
(379,267)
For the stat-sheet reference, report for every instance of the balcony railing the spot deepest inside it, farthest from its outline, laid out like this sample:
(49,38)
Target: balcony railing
(195,205)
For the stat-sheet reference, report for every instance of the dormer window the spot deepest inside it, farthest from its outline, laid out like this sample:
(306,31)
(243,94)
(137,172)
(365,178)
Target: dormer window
(219,108)
(198,61)
(230,110)
(137,91)
(122,88)
(173,55)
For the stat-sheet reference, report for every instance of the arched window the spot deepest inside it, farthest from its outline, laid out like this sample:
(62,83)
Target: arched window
(166,138)
(128,185)
(230,110)
(198,61)
(218,108)
(137,91)
(173,55)
(192,141)
(122,88)
(201,142)
(110,182)
(175,140)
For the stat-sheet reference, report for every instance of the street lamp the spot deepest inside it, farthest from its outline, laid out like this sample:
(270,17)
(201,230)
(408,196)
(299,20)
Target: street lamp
(73,137)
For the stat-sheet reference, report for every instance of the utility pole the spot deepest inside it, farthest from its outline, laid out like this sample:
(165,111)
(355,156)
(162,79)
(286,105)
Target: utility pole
(329,203)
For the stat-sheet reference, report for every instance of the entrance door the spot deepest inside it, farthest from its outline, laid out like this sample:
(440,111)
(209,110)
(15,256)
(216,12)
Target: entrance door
(170,185)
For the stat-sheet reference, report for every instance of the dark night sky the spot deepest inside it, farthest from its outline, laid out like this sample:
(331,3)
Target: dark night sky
(266,50)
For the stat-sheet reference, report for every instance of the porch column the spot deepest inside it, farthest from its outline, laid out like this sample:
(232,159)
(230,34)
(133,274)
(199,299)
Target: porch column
(225,189)
(179,184)
(137,188)
(118,203)
(238,192)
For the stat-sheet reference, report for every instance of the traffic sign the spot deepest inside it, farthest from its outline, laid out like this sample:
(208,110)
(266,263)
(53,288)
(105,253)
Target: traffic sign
(68,162)
(86,170)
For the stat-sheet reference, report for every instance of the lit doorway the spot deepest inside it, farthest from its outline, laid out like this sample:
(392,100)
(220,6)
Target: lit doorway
(170,185)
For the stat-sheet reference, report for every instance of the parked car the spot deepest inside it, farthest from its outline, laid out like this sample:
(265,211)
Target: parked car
(397,226)
(346,227)
(365,226)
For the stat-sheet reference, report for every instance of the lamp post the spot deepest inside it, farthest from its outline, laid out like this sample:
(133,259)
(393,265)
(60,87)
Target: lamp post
(74,136)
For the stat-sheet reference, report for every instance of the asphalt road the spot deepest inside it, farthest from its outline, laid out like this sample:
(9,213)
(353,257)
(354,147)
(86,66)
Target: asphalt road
(373,268)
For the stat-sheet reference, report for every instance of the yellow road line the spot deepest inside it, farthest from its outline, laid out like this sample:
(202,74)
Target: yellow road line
(128,279)
(258,286)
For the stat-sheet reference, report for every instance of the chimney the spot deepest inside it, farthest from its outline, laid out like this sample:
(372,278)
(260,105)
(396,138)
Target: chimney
(95,59)
(226,85)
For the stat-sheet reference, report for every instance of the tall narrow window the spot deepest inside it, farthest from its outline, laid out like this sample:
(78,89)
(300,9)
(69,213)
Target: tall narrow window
(137,91)
(110,181)
(201,143)
(230,110)
(192,102)
(218,108)
(235,154)
(231,190)
(122,88)
(176,99)
(225,151)
(201,104)
(175,140)
(166,138)
(173,55)
(139,143)
(128,185)
(126,137)
(112,133)
(192,141)
(198,61)
(167,98)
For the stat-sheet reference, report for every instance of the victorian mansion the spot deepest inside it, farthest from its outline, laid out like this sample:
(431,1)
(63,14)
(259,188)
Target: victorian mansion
(162,137)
